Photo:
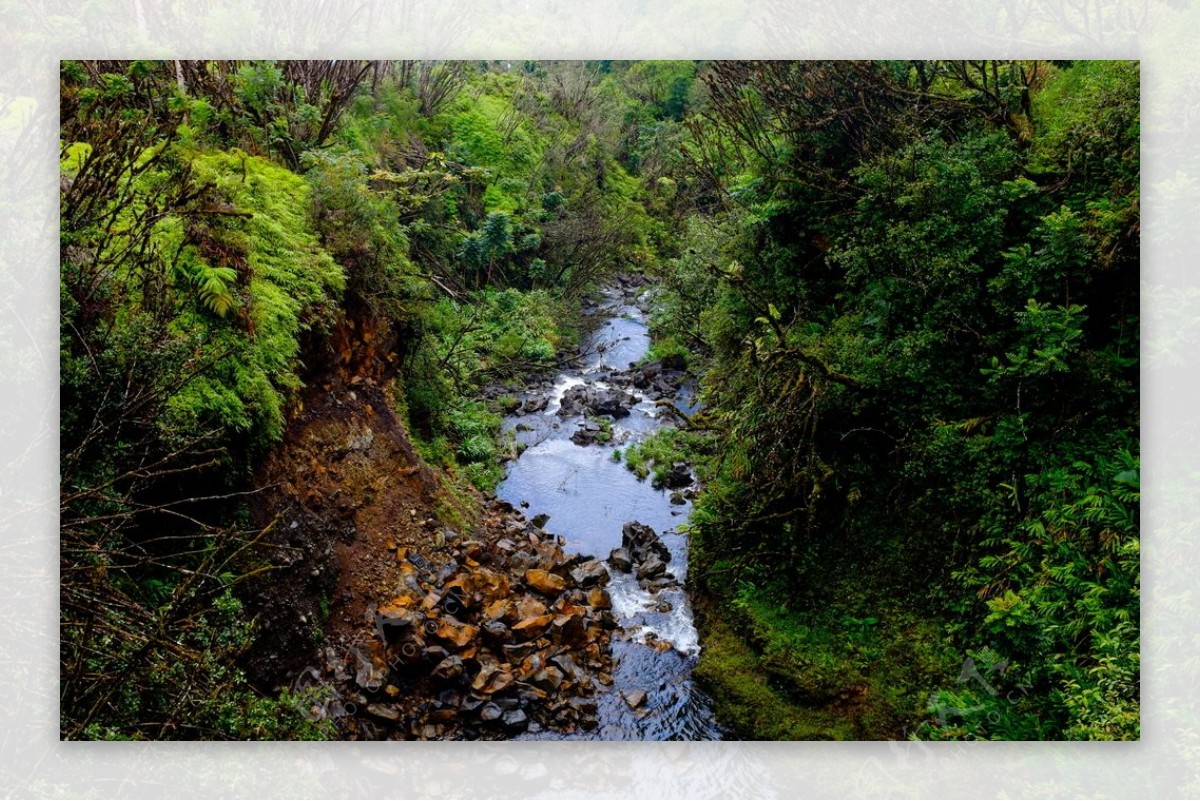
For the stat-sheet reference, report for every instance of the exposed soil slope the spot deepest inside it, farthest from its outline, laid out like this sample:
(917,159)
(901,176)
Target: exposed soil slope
(422,627)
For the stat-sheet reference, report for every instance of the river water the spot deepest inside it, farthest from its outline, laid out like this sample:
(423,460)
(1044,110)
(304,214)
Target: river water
(589,495)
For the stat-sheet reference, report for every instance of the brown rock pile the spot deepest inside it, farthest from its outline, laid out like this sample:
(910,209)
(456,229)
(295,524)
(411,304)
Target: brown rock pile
(488,640)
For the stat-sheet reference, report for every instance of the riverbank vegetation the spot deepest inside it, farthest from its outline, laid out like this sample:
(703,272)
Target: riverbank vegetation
(908,291)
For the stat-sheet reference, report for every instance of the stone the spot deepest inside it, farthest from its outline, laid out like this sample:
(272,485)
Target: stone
(489,712)
(545,582)
(539,521)
(448,669)
(495,631)
(454,633)
(583,437)
(491,679)
(653,567)
(598,599)
(679,476)
(634,698)
(496,609)
(548,678)
(569,629)
(384,712)
(621,560)
(516,720)
(532,627)
(589,573)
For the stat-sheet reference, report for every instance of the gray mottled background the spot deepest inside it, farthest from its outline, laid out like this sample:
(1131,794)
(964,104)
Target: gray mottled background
(35,34)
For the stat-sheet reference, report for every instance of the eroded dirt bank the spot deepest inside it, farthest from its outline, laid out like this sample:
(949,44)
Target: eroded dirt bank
(414,616)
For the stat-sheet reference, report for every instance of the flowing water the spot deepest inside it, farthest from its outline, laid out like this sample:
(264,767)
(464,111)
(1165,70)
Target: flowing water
(589,496)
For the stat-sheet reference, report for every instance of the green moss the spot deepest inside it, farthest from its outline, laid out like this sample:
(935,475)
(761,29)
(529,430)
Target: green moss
(779,673)
(730,670)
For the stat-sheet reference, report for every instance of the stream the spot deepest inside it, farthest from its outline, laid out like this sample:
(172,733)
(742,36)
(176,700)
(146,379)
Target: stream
(589,496)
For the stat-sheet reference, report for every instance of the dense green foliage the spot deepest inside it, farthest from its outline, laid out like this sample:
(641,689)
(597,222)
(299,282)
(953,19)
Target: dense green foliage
(922,321)
(909,291)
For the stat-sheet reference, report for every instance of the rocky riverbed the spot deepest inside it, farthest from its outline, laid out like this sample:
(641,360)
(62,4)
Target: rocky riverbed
(485,638)
(568,430)
(560,613)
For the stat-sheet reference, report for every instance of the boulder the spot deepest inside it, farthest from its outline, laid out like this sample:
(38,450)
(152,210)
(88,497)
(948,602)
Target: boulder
(589,573)
(641,541)
(453,633)
(679,476)
(545,582)
(532,627)
(620,559)
(652,568)
(448,669)
(491,679)
(516,720)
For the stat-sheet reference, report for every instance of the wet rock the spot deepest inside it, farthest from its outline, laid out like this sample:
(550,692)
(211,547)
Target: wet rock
(491,679)
(448,669)
(545,582)
(641,541)
(516,720)
(679,476)
(490,712)
(495,632)
(653,567)
(613,403)
(540,520)
(677,498)
(598,599)
(532,627)
(621,560)
(384,712)
(536,403)
(585,436)
(589,573)
(658,583)
(634,698)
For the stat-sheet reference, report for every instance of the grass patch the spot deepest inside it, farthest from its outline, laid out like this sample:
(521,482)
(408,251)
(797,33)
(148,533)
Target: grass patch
(730,670)
(656,453)
(853,670)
